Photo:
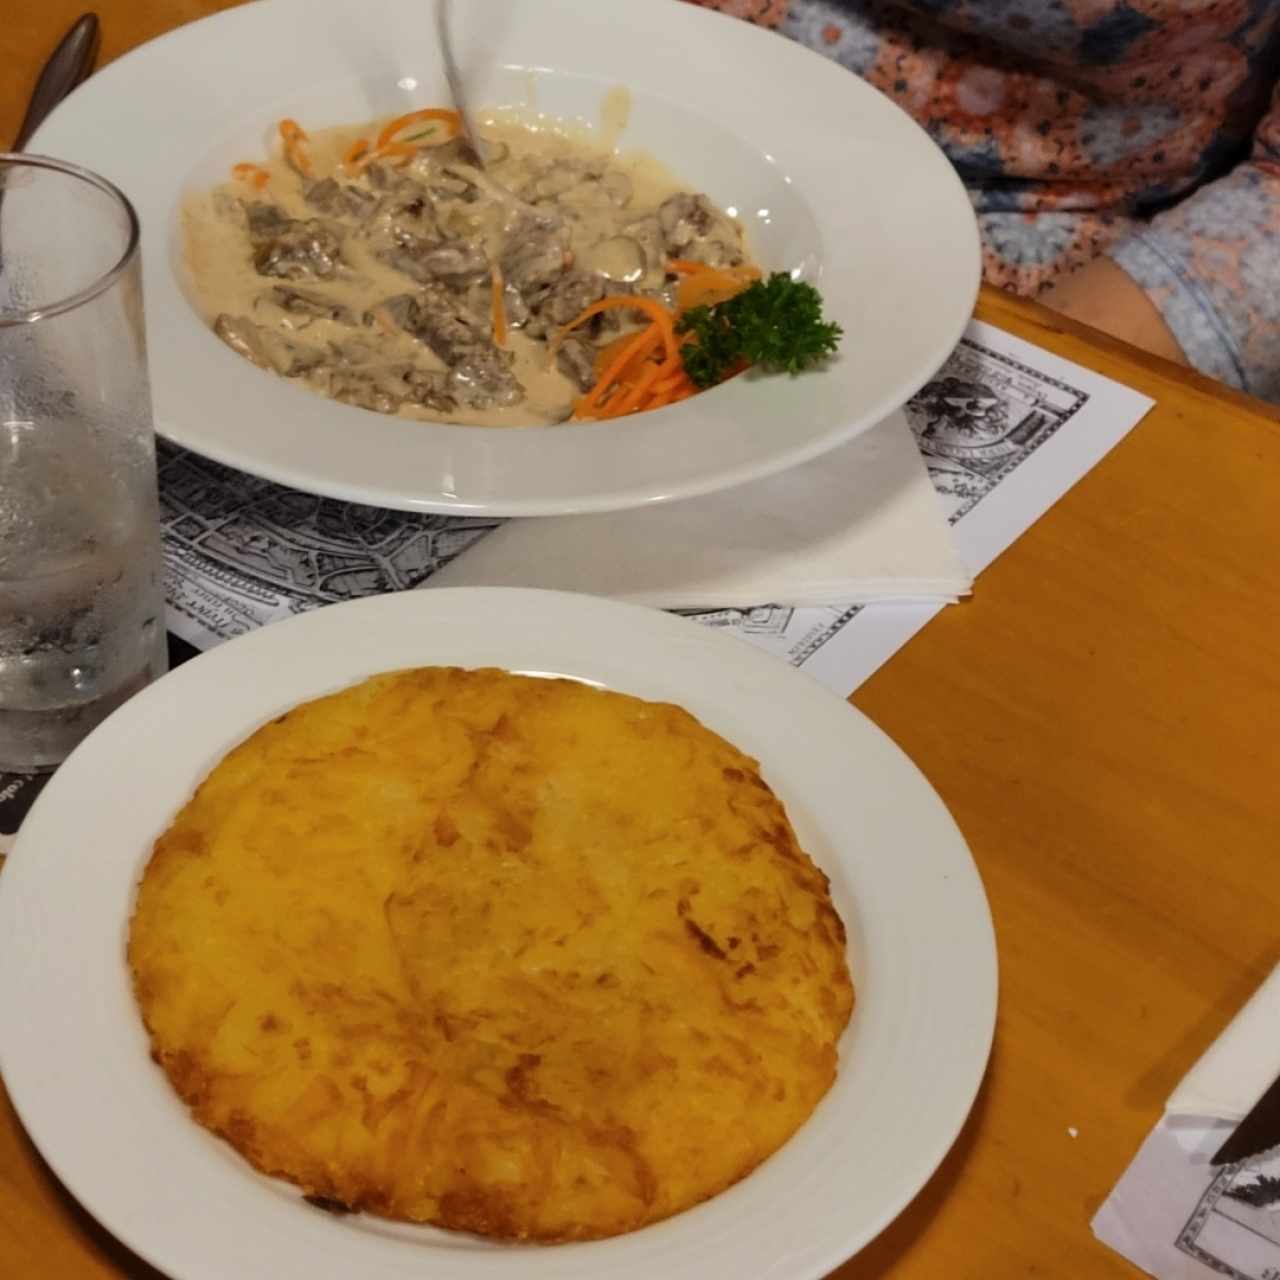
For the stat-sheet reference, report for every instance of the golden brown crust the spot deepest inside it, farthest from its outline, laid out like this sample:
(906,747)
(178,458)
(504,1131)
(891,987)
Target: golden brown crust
(508,955)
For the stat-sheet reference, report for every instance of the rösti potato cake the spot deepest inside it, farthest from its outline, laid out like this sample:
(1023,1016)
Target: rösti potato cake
(510,955)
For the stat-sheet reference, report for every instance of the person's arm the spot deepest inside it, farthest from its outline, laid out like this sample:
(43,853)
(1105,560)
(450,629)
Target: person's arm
(1107,297)
(1203,276)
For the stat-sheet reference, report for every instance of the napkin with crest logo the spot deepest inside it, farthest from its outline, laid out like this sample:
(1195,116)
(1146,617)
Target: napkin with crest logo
(1175,1213)
(859,524)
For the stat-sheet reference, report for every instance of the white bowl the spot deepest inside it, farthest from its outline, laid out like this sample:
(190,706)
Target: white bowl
(833,180)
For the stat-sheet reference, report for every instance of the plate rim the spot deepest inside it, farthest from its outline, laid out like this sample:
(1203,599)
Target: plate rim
(707,646)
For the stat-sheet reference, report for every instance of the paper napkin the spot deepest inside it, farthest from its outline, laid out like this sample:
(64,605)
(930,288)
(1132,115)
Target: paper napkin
(861,523)
(1235,1070)
(1173,1213)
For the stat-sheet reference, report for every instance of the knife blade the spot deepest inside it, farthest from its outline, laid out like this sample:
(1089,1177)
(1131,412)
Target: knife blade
(1259,1131)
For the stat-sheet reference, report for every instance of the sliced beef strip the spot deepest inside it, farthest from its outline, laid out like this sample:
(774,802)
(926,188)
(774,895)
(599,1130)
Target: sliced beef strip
(685,218)
(430,389)
(407,263)
(456,262)
(577,361)
(351,352)
(480,373)
(693,228)
(265,221)
(482,378)
(242,336)
(333,198)
(360,388)
(398,312)
(556,179)
(349,372)
(565,300)
(303,251)
(301,302)
(400,217)
(572,294)
(385,388)
(489,189)
(611,321)
(266,348)
(535,257)
(444,326)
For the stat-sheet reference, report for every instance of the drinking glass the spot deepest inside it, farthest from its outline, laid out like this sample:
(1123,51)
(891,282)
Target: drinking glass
(81,598)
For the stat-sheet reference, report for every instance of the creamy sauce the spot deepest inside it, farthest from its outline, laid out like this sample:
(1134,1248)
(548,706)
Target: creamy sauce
(615,115)
(607,225)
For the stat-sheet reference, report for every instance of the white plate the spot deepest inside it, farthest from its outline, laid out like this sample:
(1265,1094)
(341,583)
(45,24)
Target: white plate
(74,1054)
(831,177)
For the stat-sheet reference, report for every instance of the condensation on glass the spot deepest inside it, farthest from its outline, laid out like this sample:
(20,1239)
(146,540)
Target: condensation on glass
(81,597)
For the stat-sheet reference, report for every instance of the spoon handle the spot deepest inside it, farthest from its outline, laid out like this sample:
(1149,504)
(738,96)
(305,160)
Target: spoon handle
(469,135)
(68,65)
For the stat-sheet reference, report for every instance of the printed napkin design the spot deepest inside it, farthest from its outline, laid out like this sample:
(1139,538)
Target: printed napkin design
(861,523)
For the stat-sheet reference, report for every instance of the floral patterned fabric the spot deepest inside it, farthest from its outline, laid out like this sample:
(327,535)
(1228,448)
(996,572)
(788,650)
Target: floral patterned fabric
(1143,129)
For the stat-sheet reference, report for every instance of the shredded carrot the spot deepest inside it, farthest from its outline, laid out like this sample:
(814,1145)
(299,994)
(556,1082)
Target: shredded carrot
(401,152)
(295,141)
(631,302)
(639,353)
(499,308)
(387,146)
(648,351)
(636,370)
(626,402)
(643,370)
(606,353)
(355,152)
(253,173)
(668,390)
(686,267)
(710,286)
(450,119)
(597,394)
(633,387)
(671,382)
(668,397)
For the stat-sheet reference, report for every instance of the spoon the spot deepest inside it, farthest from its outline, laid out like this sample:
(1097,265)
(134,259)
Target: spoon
(68,65)
(467,129)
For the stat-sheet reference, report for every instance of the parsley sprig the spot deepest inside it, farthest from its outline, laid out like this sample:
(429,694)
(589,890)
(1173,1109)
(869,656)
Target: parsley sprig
(775,323)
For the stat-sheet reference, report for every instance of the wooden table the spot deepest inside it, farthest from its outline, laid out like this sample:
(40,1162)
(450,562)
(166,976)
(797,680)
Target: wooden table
(1100,718)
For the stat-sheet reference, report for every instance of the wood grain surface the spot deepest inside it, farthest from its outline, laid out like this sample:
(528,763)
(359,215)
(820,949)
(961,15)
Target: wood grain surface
(1100,718)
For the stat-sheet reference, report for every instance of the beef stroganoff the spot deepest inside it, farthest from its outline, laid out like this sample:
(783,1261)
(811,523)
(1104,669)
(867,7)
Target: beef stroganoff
(382,267)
